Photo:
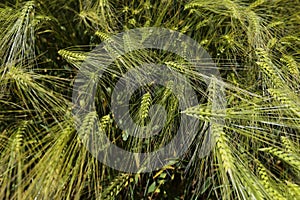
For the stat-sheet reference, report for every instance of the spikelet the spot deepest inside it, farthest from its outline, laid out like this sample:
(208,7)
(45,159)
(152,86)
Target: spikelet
(272,42)
(274,24)
(233,79)
(145,104)
(215,108)
(132,21)
(184,29)
(129,43)
(293,189)
(168,90)
(266,182)
(200,25)
(39,19)
(28,8)
(71,56)
(91,132)
(216,127)
(18,146)
(116,186)
(26,11)
(205,113)
(147,23)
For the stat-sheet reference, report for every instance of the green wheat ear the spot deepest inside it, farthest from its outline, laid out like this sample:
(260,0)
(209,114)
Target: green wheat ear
(266,182)
(289,145)
(71,56)
(17,38)
(289,158)
(223,147)
(286,98)
(104,122)
(293,189)
(256,4)
(267,66)
(291,64)
(41,155)
(249,180)
(145,105)
(116,186)
(175,66)
(103,36)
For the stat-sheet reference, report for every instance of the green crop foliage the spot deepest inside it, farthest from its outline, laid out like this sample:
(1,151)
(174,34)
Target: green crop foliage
(256,47)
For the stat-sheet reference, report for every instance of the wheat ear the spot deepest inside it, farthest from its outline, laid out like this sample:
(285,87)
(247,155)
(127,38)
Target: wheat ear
(266,182)
(116,186)
(103,36)
(289,145)
(145,104)
(175,66)
(71,56)
(267,66)
(256,4)
(291,159)
(293,189)
(291,64)
(284,97)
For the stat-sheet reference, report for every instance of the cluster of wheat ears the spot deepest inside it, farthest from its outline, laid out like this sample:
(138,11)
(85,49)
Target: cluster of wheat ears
(256,47)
